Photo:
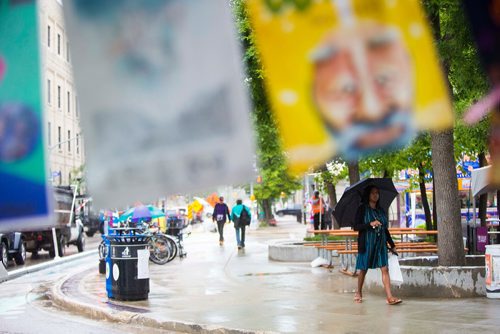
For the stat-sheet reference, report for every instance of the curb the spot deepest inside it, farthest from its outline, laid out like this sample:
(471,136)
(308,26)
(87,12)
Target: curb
(31,269)
(126,317)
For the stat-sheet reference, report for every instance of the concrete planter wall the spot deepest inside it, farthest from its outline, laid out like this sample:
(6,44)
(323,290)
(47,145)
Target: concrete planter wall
(423,278)
(291,251)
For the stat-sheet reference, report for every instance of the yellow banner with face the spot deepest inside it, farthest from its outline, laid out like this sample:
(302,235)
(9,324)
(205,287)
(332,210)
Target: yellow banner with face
(348,77)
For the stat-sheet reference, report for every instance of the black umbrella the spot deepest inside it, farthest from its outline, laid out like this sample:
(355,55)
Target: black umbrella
(346,208)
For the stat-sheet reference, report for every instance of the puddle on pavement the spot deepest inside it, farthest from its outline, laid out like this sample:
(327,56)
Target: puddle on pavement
(273,274)
(212,291)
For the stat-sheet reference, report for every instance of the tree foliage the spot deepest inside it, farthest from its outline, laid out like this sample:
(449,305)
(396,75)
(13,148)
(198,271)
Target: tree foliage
(272,159)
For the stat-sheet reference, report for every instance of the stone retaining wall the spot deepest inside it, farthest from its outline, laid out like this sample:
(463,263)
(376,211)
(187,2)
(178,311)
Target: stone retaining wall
(291,251)
(421,275)
(423,278)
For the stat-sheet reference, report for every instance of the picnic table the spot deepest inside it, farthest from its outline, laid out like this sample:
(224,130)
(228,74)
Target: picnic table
(347,248)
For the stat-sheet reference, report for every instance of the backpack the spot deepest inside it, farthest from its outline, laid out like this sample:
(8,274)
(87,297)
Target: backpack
(244,216)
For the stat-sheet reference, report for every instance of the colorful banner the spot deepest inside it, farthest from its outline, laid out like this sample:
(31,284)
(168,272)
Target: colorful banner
(348,77)
(161,88)
(24,194)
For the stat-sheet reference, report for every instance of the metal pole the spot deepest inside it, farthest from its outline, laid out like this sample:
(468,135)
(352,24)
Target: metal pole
(56,246)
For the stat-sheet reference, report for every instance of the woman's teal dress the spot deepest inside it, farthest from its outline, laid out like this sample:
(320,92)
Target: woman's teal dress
(375,255)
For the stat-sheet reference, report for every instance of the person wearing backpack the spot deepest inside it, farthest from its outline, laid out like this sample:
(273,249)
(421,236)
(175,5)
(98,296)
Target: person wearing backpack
(220,215)
(241,216)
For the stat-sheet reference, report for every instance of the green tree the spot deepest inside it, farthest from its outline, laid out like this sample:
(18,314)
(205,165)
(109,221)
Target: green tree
(272,160)
(78,178)
(466,84)
(469,84)
(329,175)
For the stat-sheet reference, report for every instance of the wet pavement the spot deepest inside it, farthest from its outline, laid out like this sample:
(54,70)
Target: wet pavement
(225,290)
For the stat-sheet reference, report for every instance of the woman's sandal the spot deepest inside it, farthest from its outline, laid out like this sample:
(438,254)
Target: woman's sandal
(394,301)
(357,298)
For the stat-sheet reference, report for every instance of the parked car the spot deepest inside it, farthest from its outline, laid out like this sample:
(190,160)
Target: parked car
(12,247)
(297,212)
(290,212)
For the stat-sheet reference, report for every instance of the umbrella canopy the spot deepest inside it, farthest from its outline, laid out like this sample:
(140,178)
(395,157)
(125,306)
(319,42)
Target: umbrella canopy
(142,212)
(346,208)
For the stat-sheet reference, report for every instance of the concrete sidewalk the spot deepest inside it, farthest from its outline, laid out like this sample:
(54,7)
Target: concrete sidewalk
(224,290)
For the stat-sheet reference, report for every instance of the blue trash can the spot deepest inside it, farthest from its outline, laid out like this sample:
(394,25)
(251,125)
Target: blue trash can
(127,265)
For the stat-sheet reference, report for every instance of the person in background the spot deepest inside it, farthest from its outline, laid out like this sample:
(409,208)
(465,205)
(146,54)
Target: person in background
(221,216)
(318,209)
(241,216)
(328,218)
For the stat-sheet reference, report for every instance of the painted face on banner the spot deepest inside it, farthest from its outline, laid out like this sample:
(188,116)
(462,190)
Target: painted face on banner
(363,87)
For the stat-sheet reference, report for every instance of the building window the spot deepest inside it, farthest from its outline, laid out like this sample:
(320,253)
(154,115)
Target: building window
(69,141)
(59,97)
(59,137)
(69,178)
(77,144)
(76,106)
(49,134)
(48,91)
(48,36)
(67,51)
(58,44)
(69,102)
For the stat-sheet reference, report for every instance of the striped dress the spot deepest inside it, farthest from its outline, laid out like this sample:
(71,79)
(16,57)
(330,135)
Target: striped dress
(375,255)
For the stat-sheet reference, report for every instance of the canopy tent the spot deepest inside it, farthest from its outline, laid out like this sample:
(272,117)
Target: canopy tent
(480,181)
(480,184)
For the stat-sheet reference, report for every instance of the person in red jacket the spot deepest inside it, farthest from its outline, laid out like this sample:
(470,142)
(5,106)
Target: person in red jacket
(318,209)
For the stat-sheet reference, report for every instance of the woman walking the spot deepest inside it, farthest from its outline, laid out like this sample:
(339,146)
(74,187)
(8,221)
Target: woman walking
(373,236)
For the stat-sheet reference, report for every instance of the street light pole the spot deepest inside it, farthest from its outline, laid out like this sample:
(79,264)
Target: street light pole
(50,148)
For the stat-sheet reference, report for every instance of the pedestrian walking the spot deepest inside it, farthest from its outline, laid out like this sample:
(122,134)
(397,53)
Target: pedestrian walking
(373,237)
(221,215)
(328,217)
(241,216)
(318,209)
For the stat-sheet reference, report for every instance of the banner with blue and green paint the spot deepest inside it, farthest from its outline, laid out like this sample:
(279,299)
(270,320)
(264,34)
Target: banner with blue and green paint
(25,202)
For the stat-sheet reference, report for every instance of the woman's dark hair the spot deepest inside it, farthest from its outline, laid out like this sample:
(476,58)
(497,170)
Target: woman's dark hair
(239,201)
(366,194)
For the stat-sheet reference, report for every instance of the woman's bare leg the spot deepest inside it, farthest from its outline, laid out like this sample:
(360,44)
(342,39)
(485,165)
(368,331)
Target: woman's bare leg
(386,279)
(358,296)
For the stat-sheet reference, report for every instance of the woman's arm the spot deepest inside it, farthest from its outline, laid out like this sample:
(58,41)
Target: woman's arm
(389,238)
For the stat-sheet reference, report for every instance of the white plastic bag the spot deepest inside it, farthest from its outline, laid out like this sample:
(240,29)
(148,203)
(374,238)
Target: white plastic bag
(319,261)
(394,270)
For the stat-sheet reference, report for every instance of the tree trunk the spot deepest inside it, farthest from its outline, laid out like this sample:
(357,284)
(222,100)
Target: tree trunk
(425,201)
(266,206)
(447,208)
(353,168)
(450,242)
(483,199)
(434,212)
(332,193)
